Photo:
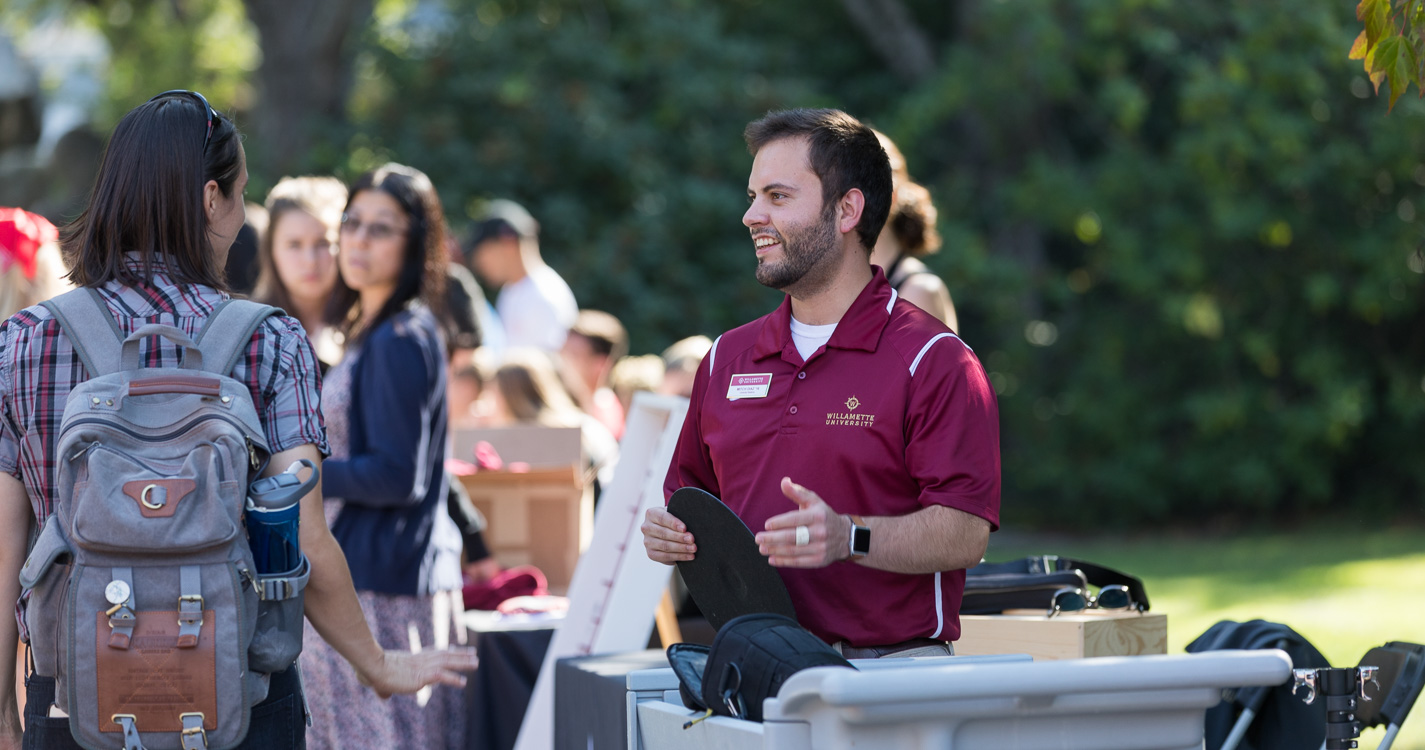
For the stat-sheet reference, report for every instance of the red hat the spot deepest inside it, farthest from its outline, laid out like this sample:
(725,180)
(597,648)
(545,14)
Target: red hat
(21,234)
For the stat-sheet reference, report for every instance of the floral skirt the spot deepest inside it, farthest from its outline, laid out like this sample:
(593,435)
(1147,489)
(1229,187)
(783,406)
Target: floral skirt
(349,716)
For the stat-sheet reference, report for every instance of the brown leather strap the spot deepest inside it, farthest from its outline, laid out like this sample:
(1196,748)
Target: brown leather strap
(199,384)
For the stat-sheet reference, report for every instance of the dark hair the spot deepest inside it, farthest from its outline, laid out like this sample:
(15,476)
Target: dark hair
(605,334)
(321,197)
(912,222)
(423,267)
(844,155)
(502,219)
(148,197)
(462,316)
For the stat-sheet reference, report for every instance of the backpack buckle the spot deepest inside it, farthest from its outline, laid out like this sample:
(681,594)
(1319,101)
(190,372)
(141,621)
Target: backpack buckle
(121,626)
(190,619)
(193,736)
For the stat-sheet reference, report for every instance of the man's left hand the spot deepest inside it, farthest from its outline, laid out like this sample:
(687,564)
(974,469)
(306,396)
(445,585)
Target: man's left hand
(827,538)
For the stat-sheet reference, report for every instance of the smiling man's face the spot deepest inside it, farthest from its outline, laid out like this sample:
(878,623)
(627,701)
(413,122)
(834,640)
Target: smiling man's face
(794,238)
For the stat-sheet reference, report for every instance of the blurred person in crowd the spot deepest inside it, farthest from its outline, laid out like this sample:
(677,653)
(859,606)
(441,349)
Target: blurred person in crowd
(854,431)
(643,372)
(908,236)
(469,396)
(465,323)
(535,305)
(31,269)
(241,267)
(528,391)
(596,341)
(680,364)
(465,299)
(464,331)
(175,157)
(385,411)
(297,258)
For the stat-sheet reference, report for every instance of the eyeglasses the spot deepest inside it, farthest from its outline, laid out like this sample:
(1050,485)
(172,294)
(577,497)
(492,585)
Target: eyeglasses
(1113,598)
(374,230)
(207,108)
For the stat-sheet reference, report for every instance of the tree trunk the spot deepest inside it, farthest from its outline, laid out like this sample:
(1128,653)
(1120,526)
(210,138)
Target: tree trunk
(894,35)
(305,75)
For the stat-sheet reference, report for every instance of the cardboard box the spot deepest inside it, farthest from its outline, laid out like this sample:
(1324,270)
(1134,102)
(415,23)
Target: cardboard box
(540,447)
(543,517)
(1064,636)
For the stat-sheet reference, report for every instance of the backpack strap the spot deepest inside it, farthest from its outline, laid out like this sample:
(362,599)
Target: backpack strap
(85,317)
(132,741)
(228,331)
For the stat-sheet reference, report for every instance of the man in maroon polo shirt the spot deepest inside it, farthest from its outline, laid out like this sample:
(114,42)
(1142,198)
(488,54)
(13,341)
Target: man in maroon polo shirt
(857,431)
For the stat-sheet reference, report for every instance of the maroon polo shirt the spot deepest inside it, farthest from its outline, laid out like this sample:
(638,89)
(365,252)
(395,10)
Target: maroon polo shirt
(892,415)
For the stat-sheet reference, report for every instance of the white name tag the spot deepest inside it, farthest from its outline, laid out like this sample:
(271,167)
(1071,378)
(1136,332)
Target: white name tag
(754,385)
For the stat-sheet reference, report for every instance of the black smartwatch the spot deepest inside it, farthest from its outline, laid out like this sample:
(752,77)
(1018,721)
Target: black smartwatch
(860,538)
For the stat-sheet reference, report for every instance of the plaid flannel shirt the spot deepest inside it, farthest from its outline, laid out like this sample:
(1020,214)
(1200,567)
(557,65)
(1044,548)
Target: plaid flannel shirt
(38,368)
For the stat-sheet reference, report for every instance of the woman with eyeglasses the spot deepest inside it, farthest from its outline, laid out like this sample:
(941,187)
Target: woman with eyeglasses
(165,207)
(296,257)
(385,411)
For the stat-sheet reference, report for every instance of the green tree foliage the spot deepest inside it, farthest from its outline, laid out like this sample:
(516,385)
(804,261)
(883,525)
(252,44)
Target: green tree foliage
(1223,236)
(1181,238)
(156,45)
(1391,45)
(617,124)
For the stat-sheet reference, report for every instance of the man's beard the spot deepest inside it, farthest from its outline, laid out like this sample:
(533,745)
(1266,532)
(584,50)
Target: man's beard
(805,249)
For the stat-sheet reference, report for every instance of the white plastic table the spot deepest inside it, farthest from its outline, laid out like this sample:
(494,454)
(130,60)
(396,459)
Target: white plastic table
(968,703)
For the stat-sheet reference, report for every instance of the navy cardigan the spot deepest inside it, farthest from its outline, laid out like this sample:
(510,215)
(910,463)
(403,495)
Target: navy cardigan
(393,527)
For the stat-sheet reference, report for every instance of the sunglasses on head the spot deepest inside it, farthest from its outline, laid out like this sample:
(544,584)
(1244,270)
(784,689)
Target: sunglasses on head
(1113,598)
(207,109)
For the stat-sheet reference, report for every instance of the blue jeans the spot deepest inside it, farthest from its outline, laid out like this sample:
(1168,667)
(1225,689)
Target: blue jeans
(278,723)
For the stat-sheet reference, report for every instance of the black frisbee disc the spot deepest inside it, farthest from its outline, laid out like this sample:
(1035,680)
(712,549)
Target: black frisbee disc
(727,577)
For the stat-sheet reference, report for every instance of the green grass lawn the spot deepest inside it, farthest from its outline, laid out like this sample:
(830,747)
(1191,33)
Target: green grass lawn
(1345,589)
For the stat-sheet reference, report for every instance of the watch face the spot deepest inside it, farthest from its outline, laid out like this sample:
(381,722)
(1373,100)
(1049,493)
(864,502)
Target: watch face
(860,540)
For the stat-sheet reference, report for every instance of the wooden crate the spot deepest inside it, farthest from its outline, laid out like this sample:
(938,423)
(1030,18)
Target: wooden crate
(1064,636)
(543,517)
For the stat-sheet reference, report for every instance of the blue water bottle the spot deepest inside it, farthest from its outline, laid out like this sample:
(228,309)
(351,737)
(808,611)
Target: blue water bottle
(273,510)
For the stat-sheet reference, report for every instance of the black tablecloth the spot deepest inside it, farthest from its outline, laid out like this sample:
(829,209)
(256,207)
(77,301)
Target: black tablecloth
(499,690)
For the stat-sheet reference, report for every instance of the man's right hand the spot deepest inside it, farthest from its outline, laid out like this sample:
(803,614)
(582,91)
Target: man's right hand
(665,538)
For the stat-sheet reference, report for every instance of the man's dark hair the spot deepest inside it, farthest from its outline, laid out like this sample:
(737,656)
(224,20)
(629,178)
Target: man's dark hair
(606,335)
(844,154)
(148,197)
(502,219)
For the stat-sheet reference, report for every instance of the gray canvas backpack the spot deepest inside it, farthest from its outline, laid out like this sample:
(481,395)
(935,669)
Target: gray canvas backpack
(144,602)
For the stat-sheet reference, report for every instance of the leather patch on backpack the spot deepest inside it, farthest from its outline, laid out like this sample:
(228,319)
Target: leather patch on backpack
(154,679)
(158,498)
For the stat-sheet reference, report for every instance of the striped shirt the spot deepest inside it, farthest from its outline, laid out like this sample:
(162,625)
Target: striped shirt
(38,368)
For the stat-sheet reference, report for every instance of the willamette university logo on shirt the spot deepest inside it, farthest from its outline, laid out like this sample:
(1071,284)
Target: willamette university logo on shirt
(850,418)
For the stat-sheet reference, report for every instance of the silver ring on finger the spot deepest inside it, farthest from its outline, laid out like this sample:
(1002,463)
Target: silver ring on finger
(803,536)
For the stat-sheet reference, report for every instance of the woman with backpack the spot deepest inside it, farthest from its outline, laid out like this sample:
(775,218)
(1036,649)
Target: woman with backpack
(385,407)
(151,246)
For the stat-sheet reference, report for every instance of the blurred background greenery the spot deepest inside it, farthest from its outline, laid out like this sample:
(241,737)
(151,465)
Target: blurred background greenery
(1183,238)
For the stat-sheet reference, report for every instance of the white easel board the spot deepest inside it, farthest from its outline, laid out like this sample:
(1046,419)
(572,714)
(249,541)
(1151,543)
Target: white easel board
(616,588)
